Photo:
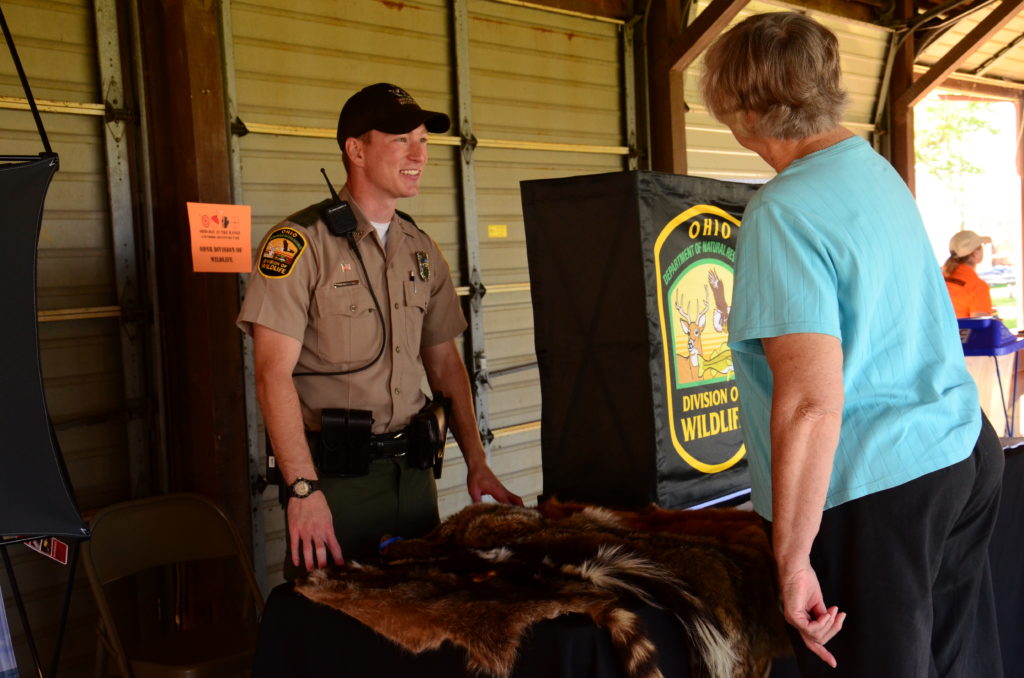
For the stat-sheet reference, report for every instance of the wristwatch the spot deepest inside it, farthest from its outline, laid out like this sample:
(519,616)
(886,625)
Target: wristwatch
(302,488)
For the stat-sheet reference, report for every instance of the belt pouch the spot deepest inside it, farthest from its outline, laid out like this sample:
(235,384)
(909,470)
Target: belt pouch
(344,445)
(429,434)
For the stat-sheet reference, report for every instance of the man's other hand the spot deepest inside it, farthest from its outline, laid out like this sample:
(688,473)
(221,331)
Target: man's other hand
(311,529)
(482,481)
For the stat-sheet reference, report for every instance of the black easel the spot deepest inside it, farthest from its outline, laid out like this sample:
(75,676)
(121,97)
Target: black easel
(36,499)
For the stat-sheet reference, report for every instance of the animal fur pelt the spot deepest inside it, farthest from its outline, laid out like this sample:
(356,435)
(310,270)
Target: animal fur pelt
(489,572)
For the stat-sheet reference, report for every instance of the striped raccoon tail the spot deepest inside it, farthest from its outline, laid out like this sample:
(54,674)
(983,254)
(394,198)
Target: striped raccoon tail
(635,649)
(626,574)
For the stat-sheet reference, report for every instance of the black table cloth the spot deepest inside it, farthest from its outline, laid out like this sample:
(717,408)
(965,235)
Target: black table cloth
(302,639)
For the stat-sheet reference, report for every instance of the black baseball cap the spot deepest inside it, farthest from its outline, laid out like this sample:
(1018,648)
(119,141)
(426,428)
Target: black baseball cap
(386,108)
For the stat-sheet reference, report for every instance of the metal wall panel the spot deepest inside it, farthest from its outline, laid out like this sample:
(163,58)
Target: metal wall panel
(81,359)
(711,149)
(535,77)
(297,66)
(541,76)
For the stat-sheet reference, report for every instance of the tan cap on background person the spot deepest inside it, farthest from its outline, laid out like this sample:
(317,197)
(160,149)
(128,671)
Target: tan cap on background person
(965,242)
(385,108)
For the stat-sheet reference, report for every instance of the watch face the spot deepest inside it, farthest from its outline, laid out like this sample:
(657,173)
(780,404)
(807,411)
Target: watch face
(301,488)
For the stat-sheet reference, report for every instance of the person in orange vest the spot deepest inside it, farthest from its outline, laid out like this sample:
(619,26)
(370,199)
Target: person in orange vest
(969,293)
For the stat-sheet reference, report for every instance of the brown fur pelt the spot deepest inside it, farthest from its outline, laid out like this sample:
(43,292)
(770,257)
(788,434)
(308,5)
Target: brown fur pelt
(489,572)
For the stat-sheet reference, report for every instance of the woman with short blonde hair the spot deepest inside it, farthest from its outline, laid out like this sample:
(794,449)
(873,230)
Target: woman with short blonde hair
(867,450)
(794,86)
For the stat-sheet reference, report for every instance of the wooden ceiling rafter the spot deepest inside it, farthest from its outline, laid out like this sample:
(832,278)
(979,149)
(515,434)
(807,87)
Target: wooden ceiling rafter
(696,37)
(947,65)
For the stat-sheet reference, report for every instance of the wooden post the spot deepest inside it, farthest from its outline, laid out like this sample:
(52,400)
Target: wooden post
(901,118)
(201,361)
(668,132)
(671,51)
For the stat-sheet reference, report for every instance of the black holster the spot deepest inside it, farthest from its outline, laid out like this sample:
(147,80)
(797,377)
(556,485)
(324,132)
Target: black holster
(429,432)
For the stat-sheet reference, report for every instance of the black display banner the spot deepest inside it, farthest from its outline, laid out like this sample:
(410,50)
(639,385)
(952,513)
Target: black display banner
(35,495)
(632,276)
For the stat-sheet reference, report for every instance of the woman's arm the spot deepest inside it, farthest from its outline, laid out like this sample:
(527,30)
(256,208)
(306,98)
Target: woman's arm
(807,407)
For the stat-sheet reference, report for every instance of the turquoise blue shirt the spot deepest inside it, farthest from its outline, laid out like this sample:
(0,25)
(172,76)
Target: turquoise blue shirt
(835,245)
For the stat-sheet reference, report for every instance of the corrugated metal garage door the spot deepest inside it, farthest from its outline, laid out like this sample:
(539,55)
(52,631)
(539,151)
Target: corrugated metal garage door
(81,357)
(712,152)
(535,77)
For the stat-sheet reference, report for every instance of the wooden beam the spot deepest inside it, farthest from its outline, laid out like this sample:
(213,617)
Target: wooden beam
(201,364)
(662,28)
(618,10)
(703,31)
(990,89)
(677,122)
(670,51)
(901,118)
(1020,173)
(201,358)
(858,10)
(948,64)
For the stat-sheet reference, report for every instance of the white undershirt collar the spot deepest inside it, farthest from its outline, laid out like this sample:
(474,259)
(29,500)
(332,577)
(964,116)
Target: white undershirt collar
(382,231)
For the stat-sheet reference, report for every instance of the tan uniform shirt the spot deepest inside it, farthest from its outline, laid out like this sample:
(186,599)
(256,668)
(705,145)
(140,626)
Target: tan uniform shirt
(308,284)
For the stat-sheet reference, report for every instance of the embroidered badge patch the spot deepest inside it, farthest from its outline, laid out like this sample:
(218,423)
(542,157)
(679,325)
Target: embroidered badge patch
(281,249)
(423,261)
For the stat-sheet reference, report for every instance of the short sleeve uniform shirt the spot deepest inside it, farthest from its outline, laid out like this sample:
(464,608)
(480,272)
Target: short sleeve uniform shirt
(308,284)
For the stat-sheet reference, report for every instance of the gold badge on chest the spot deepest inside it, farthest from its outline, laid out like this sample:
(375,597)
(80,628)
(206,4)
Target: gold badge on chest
(423,263)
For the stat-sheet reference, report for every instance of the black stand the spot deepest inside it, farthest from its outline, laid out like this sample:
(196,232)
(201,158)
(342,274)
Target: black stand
(61,624)
(631,342)
(36,500)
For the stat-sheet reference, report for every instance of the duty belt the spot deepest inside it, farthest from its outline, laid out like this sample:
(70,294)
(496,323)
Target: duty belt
(389,445)
(382,446)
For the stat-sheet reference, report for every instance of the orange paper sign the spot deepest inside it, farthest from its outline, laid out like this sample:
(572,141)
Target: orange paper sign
(220,237)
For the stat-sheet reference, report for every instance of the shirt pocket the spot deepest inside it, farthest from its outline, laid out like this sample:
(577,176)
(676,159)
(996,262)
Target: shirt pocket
(417,296)
(347,327)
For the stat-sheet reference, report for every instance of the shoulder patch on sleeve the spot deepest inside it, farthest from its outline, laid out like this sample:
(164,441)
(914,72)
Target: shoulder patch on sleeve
(281,249)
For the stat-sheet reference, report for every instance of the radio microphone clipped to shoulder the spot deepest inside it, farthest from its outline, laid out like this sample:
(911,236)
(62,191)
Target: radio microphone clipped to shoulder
(338,215)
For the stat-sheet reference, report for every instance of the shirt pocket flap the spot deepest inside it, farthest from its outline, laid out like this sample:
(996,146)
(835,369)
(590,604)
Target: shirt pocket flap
(350,300)
(417,294)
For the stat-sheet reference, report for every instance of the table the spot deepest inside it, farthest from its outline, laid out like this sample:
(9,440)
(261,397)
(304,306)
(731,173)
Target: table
(989,337)
(301,639)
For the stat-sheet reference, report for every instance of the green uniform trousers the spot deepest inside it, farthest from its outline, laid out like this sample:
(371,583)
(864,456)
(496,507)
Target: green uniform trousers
(393,499)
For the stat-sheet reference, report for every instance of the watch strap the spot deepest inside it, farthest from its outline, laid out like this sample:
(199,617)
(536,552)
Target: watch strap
(310,486)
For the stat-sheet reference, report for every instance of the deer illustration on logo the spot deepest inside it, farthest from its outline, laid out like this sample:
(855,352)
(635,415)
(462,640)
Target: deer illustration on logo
(693,329)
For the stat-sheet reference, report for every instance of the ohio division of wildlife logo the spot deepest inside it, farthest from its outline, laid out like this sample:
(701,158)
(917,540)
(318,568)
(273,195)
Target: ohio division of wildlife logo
(694,257)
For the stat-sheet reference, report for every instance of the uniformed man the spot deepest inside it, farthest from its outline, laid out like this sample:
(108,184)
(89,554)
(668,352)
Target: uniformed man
(380,313)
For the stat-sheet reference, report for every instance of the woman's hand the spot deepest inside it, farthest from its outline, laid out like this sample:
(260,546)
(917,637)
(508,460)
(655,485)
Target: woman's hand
(804,608)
